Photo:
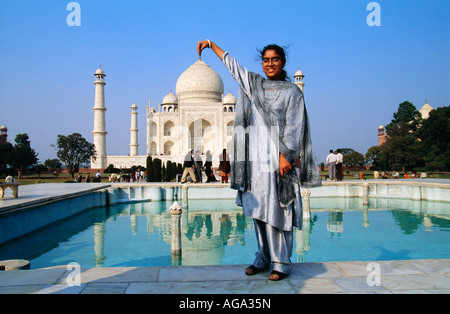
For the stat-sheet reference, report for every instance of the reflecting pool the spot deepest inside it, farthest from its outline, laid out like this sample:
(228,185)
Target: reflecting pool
(216,233)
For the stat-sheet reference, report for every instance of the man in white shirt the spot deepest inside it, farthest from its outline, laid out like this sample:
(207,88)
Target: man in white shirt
(331,162)
(339,161)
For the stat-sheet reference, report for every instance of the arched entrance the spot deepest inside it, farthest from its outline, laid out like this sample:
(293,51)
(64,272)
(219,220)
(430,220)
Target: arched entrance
(201,136)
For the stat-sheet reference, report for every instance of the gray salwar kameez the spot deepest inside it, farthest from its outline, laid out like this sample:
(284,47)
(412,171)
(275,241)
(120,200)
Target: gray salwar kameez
(260,197)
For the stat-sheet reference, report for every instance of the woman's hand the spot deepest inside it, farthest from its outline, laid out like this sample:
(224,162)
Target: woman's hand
(202,45)
(285,166)
(209,44)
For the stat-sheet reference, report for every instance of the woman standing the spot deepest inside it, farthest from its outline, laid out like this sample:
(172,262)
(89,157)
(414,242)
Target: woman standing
(198,164)
(224,166)
(271,134)
(208,171)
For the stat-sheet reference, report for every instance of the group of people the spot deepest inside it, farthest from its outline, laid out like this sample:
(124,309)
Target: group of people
(334,162)
(396,175)
(193,166)
(87,179)
(135,176)
(79,178)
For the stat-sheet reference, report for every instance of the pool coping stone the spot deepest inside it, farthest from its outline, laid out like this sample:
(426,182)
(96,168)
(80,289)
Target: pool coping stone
(400,276)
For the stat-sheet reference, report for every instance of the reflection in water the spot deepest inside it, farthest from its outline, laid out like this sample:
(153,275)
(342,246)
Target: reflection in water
(335,223)
(206,234)
(214,233)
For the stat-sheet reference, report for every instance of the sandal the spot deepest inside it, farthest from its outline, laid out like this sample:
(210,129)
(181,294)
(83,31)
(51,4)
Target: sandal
(254,270)
(279,274)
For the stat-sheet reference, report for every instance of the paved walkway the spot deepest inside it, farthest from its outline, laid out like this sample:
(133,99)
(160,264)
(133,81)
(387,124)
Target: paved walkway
(411,276)
(33,194)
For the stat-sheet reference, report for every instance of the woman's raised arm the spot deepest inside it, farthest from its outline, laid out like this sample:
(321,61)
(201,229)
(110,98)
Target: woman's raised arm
(239,72)
(209,44)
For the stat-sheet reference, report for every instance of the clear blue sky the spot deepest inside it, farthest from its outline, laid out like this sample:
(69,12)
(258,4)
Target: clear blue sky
(356,75)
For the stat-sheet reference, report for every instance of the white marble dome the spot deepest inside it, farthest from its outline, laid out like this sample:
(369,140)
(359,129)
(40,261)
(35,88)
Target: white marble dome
(170,98)
(229,99)
(199,82)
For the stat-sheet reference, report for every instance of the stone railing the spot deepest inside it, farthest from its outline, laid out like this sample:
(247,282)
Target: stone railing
(13,186)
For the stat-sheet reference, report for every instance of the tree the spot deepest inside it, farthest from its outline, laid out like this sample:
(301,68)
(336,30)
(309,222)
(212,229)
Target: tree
(354,159)
(53,164)
(39,168)
(149,166)
(5,155)
(22,155)
(157,174)
(345,151)
(111,169)
(402,148)
(372,155)
(401,152)
(173,171)
(168,174)
(375,157)
(406,112)
(74,150)
(434,134)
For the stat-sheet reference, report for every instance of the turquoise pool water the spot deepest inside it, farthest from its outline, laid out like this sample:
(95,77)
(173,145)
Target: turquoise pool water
(216,233)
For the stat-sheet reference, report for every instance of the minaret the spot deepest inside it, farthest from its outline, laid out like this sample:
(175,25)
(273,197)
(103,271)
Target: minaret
(3,134)
(134,131)
(298,76)
(381,135)
(99,119)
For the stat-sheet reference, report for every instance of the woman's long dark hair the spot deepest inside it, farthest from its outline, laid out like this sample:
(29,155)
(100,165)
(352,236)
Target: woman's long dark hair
(281,53)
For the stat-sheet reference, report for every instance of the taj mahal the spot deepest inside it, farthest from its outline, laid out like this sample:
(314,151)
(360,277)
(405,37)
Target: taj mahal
(198,117)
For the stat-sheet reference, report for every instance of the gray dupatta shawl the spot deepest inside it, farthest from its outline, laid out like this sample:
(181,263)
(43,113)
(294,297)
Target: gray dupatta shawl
(287,121)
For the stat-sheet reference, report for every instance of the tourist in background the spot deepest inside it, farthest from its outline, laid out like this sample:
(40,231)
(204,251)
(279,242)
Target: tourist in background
(331,162)
(10,179)
(339,161)
(208,168)
(224,166)
(376,175)
(188,165)
(198,164)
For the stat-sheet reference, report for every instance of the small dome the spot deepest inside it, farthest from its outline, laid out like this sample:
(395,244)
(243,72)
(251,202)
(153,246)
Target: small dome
(199,81)
(298,73)
(100,72)
(134,106)
(229,99)
(3,127)
(426,107)
(170,98)
(425,110)
(380,127)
